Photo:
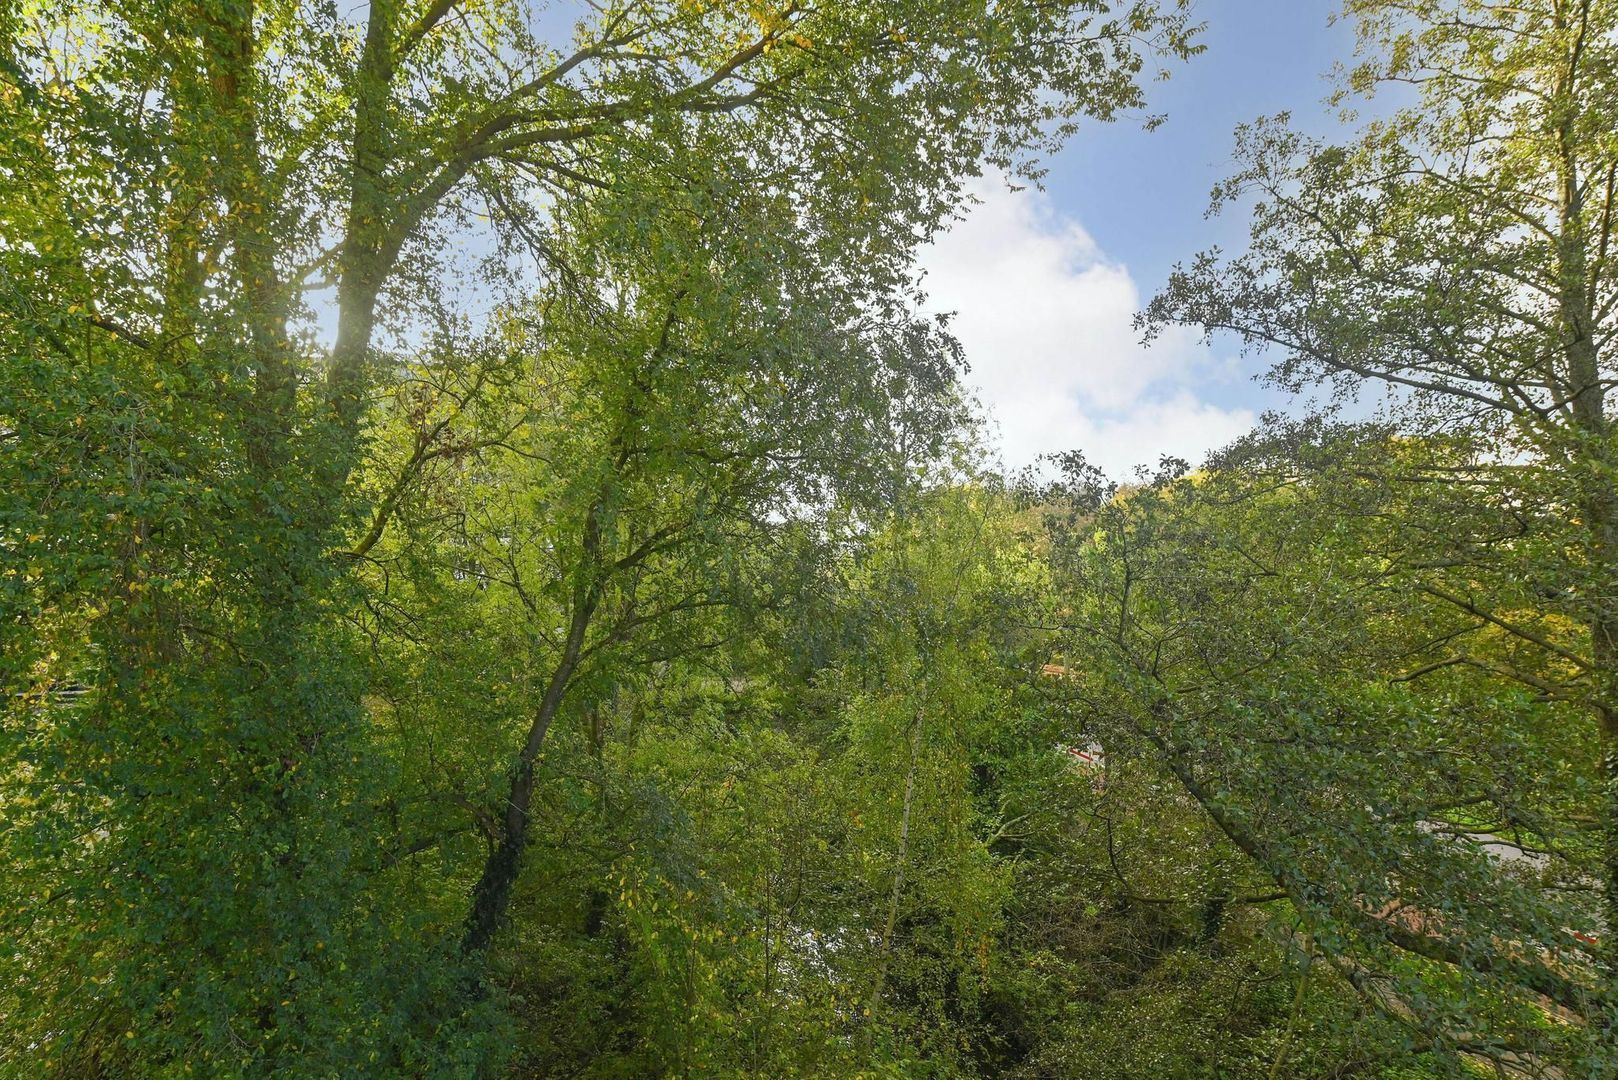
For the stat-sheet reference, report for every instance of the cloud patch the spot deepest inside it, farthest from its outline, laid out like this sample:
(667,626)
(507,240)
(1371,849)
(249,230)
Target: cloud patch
(1046,321)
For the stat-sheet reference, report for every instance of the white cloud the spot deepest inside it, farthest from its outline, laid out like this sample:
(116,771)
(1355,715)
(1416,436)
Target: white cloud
(1045,318)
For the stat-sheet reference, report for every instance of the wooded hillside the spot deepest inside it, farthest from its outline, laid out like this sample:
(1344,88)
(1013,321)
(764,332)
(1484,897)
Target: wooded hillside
(501,575)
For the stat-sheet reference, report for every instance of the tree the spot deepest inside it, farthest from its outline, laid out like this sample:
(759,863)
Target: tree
(1461,253)
(198,784)
(1238,635)
(687,381)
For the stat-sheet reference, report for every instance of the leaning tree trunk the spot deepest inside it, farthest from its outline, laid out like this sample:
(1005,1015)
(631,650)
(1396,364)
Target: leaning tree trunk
(491,896)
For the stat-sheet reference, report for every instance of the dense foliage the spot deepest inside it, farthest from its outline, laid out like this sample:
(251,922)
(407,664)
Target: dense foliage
(497,578)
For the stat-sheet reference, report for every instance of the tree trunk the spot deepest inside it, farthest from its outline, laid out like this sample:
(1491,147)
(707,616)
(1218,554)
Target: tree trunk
(491,896)
(1592,453)
(363,263)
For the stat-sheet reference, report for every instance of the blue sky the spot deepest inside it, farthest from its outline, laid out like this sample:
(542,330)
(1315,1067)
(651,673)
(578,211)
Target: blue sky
(1142,194)
(1043,283)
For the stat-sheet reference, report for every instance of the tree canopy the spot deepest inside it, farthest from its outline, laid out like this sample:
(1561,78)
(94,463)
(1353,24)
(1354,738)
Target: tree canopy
(501,576)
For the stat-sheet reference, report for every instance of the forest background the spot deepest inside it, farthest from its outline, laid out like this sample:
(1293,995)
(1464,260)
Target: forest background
(645,671)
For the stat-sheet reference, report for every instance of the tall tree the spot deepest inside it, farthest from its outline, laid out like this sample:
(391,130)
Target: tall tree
(182,450)
(1461,252)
